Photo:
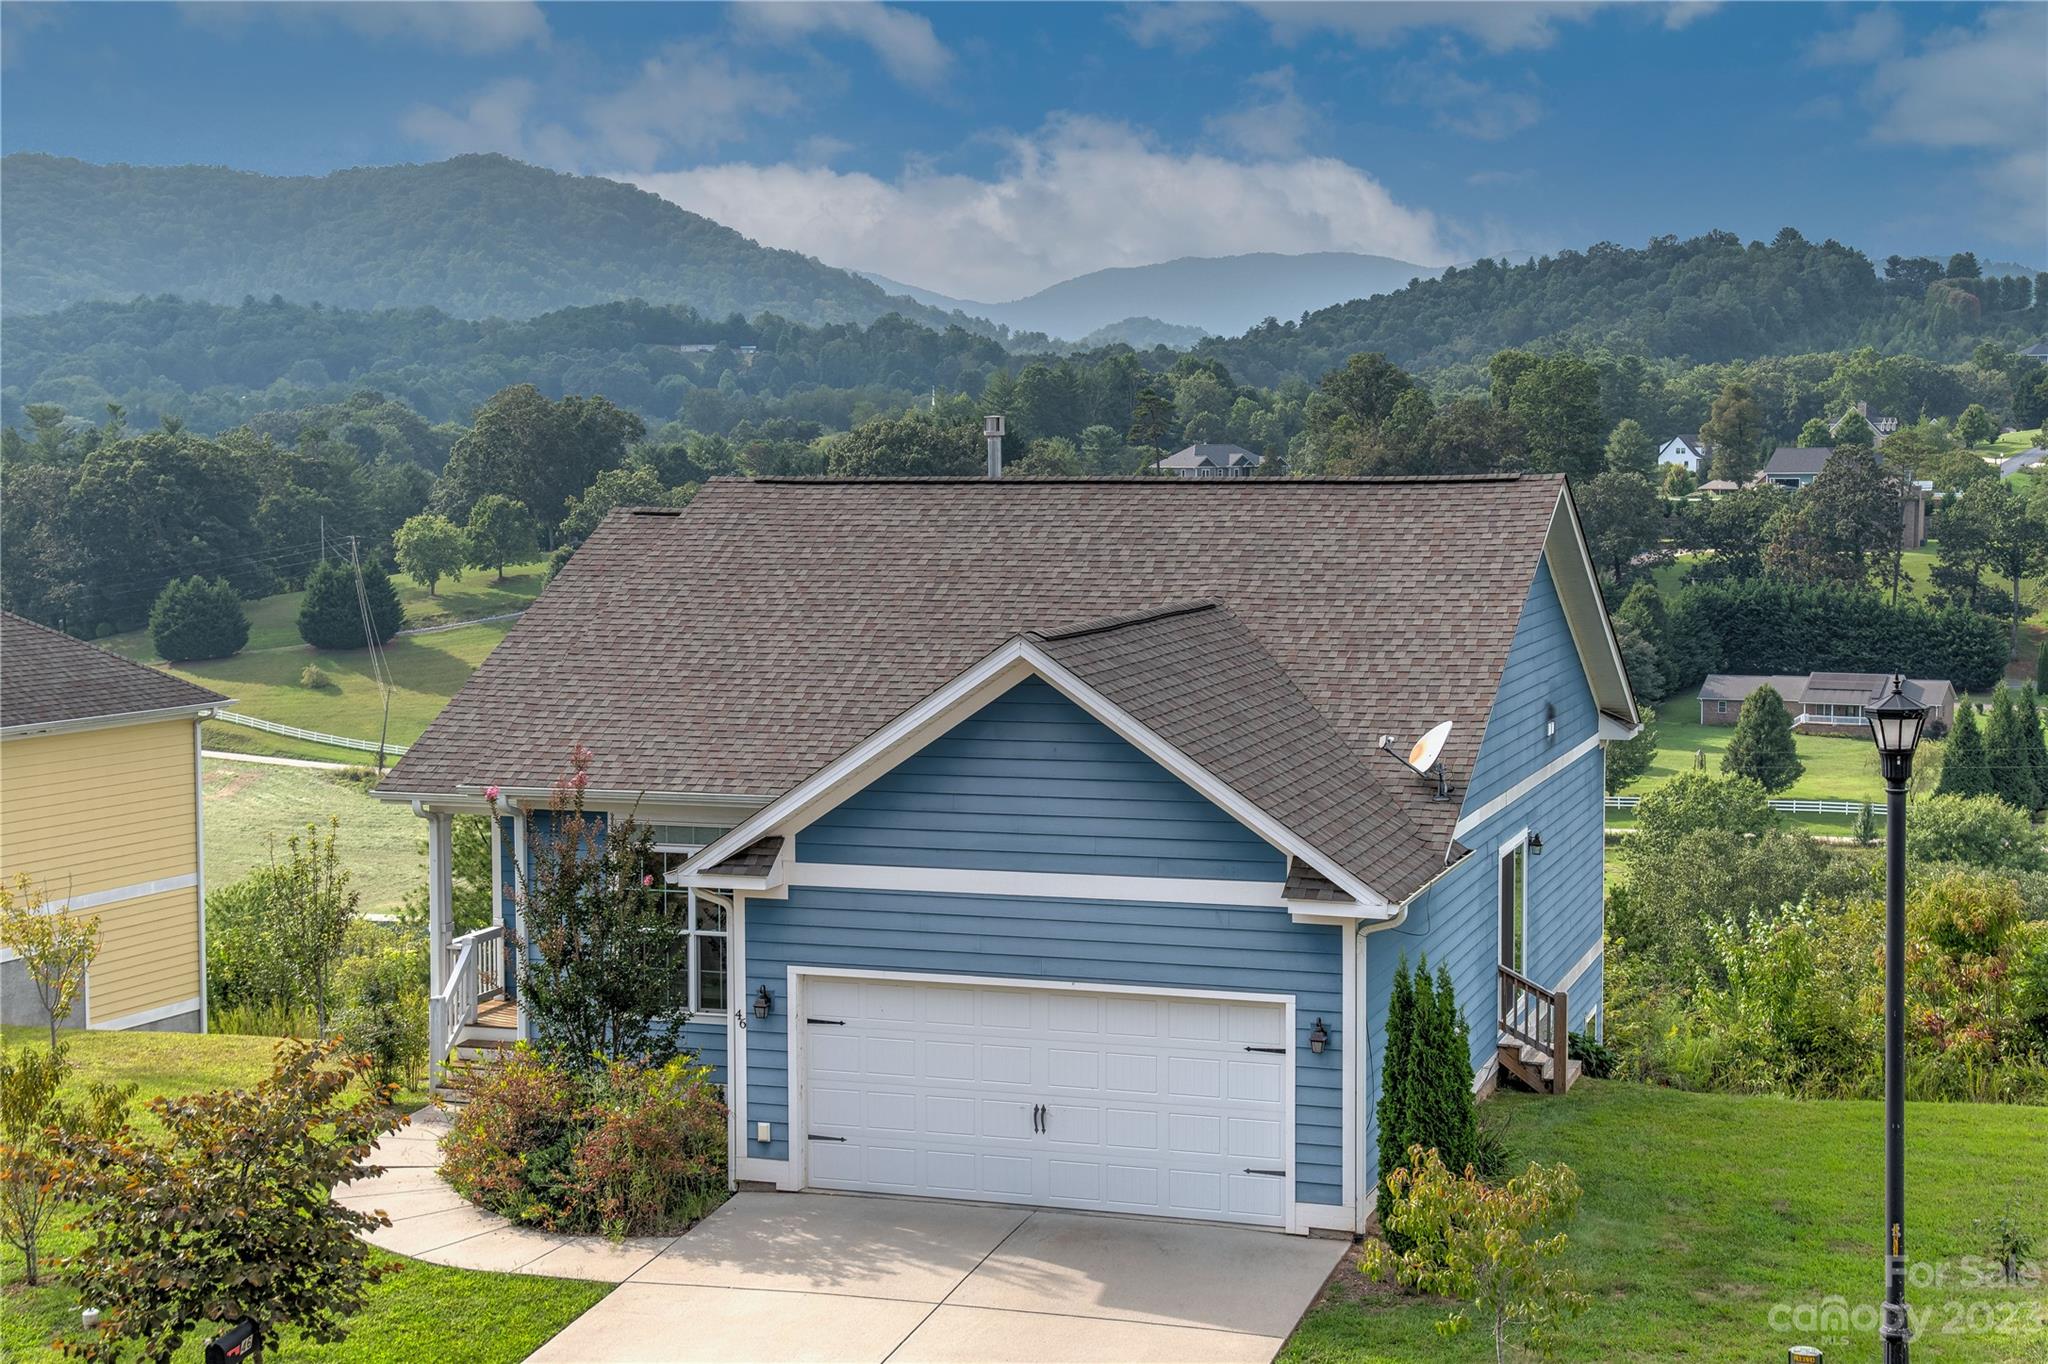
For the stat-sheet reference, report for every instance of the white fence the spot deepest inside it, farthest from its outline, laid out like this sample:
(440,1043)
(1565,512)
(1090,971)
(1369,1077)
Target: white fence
(1789,807)
(310,735)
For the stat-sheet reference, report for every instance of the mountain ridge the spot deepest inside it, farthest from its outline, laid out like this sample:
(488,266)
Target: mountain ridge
(397,236)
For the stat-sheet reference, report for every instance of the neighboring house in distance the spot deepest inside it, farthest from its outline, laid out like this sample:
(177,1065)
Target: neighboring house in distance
(1689,452)
(1795,466)
(100,808)
(1714,487)
(2037,351)
(1210,461)
(1033,860)
(2025,459)
(1880,426)
(1825,703)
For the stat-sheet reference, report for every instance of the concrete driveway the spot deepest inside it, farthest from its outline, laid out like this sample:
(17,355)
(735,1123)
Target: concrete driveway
(843,1278)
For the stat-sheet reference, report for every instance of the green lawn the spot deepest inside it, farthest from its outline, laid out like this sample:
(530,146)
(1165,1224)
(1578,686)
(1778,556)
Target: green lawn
(420,1312)
(248,805)
(1710,1220)
(273,621)
(1837,768)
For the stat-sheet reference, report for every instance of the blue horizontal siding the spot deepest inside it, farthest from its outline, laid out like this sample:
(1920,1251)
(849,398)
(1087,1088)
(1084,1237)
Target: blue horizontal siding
(1542,670)
(1456,922)
(1033,783)
(1173,946)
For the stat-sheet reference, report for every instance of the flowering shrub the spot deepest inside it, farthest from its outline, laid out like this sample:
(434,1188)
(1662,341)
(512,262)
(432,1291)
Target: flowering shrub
(625,1149)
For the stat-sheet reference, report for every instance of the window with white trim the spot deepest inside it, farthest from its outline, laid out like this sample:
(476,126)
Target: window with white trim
(1514,906)
(698,982)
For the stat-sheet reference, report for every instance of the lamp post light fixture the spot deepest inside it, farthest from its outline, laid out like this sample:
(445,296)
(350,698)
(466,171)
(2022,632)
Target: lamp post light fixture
(1895,724)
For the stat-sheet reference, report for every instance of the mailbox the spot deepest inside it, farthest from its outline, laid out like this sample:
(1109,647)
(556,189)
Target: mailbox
(237,1344)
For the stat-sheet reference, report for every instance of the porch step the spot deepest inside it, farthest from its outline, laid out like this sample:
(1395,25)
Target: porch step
(1536,1070)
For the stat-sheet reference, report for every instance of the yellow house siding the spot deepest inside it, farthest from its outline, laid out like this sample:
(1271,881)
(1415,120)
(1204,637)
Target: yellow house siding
(94,811)
(98,809)
(149,955)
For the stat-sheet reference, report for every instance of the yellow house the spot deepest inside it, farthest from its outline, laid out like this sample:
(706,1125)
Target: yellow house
(99,806)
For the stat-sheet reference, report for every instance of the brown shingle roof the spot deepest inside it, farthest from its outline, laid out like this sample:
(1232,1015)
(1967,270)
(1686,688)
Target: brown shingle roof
(49,678)
(1195,677)
(742,645)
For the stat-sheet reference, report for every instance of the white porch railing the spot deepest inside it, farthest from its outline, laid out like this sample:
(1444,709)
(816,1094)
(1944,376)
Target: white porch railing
(476,972)
(1844,721)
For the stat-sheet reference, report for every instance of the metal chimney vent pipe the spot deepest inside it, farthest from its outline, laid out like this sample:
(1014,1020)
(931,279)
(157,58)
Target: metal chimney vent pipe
(992,427)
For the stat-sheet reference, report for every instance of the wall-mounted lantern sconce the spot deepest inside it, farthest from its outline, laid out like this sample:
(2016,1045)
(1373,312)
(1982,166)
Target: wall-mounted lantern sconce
(1535,845)
(1318,1037)
(1549,721)
(764,1003)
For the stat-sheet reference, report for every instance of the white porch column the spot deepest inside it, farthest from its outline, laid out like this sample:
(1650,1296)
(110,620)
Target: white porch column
(440,894)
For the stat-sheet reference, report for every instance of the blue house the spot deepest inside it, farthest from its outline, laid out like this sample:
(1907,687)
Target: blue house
(1056,841)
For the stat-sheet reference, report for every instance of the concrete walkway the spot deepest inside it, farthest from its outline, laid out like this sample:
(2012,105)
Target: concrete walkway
(432,1222)
(855,1279)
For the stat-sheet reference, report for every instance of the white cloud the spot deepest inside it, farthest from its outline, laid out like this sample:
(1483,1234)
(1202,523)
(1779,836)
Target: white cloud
(1185,26)
(494,120)
(480,26)
(1971,91)
(1463,104)
(1276,125)
(1080,195)
(1871,36)
(686,97)
(22,18)
(1685,13)
(904,42)
(1497,27)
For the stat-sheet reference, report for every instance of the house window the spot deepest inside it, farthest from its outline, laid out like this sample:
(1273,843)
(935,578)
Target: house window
(1720,708)
(1514,906)
(698,980)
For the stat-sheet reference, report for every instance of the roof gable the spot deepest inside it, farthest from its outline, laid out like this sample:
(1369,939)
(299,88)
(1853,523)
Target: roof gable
(48,678)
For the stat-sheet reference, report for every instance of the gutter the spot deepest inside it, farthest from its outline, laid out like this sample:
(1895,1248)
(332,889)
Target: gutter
(198,710)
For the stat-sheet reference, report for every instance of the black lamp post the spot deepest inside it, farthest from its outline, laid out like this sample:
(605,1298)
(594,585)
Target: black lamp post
(1895,724)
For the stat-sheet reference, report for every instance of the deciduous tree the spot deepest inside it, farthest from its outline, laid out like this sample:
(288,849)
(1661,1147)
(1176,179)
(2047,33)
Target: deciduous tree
(500,532)
(429,547)
(1735,428)
(313,904)
(1975,426)
(56,947)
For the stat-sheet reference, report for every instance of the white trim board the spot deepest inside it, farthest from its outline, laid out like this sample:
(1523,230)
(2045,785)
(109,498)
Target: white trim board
(1585,964)
(144,1017)
(119,894)
(996,673)
(1037,885)
(1472,819)
(197,709)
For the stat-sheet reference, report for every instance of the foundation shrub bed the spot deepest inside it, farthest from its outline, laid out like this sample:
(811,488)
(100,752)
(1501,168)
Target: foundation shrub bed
(623,1149)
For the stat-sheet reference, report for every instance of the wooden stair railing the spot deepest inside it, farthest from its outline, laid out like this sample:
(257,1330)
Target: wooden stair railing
(1535,1025)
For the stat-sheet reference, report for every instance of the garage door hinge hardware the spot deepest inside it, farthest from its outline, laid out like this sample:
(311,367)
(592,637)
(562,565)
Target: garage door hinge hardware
(816,1137)
(1277,1051)
(1277,1174)
(835,1022)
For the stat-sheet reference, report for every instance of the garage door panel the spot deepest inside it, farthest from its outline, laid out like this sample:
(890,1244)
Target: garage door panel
(1127,1103)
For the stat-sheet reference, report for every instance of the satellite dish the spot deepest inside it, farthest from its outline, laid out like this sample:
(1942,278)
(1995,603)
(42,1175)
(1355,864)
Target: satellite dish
(1429,747)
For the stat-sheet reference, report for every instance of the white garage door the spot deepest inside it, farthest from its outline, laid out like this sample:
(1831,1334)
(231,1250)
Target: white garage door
(1107,1101)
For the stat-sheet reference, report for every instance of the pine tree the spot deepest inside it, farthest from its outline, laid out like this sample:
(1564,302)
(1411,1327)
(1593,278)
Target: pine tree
(194,618)
(331,616)
(2030,740)
(1453,1119)
(1397,1074)
(1865,831)
(1965,767)
(2041,664)
(2005,749)
(1762,746)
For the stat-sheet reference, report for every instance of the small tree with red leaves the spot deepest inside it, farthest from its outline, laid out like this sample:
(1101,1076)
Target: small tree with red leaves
(597,980)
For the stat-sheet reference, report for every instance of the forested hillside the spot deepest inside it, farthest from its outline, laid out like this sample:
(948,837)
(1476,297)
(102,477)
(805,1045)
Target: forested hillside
(477,236)
(1707,299)
(213,366)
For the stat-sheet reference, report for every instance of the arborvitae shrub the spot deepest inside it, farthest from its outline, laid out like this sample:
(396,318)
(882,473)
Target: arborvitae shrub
(330,616)
(194,618)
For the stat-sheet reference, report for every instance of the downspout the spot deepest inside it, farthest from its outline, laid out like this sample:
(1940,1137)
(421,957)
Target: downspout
(1367,1101)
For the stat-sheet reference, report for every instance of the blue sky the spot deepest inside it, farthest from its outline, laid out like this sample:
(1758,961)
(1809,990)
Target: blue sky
(987,150)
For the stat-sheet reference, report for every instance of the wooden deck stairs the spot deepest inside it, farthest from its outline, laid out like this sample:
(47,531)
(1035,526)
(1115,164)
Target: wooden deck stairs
(1535,1035)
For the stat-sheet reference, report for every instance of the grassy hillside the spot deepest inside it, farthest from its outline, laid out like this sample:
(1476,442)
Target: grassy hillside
(395,236)
(252,808)
(1710,1221)
(1837,767)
